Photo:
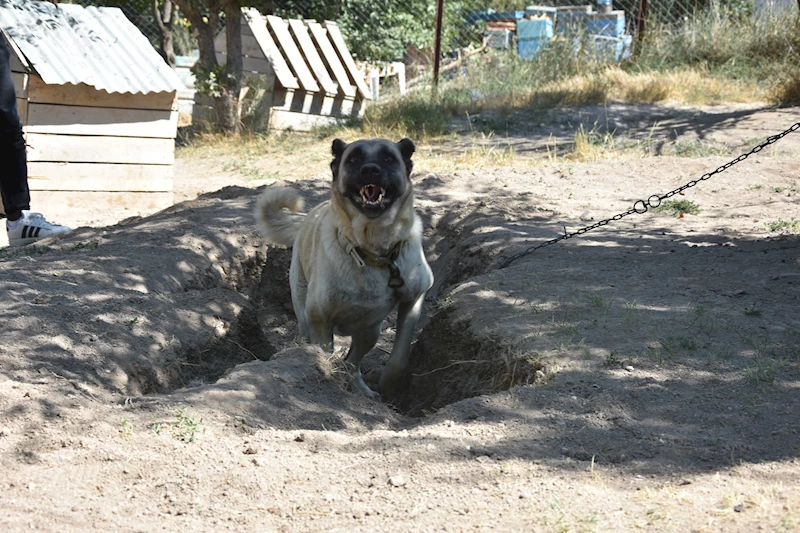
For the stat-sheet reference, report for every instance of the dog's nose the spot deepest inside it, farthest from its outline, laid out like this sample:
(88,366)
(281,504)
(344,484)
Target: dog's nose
(371,171)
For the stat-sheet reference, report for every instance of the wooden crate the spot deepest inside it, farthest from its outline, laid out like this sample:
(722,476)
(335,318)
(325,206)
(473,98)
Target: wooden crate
(90,147)
(311,76)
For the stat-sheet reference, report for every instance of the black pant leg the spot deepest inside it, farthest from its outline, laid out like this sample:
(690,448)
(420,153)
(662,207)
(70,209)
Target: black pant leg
(14,166)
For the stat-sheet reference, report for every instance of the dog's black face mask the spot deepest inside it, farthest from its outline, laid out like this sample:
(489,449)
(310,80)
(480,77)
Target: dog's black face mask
(372,174)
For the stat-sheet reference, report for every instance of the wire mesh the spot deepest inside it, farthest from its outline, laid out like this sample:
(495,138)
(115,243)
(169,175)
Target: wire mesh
(382,30)
(391,30)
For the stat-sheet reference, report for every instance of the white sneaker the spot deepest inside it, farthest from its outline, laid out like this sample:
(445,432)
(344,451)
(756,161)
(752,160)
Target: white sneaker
(32,227)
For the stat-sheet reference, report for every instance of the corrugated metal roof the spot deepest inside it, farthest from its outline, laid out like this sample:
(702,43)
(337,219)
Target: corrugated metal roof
(70,44)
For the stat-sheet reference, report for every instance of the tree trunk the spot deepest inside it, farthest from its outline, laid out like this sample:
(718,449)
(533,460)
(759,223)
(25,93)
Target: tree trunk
(227,103)
(165,20)
(205,20)
(641,23)
(205,23)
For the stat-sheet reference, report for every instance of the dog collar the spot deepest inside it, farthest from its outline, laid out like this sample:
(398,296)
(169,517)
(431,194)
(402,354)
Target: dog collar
(363,258)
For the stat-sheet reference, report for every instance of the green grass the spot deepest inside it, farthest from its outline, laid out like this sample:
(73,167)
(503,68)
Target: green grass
(717,56)
(31,250)
(677,346)
(612,360)
(694,148)
(712,58)
(678,207)
(783,226)
(762,372)
(725,45)
(91,245)
(126,428)
(185,428)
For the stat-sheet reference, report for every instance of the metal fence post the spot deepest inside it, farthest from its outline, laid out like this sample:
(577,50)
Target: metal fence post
(437,44)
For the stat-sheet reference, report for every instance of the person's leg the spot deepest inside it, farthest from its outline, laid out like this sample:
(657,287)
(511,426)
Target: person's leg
(23,226)
(14,169)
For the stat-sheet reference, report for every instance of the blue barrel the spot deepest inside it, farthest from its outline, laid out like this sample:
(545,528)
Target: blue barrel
(532,36)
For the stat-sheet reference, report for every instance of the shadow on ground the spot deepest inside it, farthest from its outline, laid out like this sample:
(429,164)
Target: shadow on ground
(659,349)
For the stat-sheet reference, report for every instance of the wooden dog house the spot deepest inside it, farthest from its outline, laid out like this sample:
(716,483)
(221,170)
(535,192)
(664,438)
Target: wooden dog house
(311,76)
(97,103)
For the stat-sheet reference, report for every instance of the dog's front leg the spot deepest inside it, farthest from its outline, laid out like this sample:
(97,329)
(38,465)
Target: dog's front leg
(320,331)
(394,372)
(361,343)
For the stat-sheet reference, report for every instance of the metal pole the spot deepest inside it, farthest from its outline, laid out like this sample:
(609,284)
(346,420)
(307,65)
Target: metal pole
(437,43)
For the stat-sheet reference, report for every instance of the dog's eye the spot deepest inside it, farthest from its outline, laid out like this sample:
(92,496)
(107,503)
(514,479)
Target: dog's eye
(389,160)
(353,159)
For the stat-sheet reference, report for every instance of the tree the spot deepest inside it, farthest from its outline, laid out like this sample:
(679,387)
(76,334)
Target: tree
(222,82)
(376,30)
(165,16)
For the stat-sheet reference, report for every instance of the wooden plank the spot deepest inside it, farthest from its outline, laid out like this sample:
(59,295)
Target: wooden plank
(247,31)
(85,95)
(347,59)
(291,120)
(322,104)
(20,84)
(80,149)
(300,31)
(258,26)
(334,63)
(99,177)
(249,64)
(74,120)
(343,107)
(22,109)
(16,65)
(287,44)
(59,203)
(250,46)
(282,98)
(16,59)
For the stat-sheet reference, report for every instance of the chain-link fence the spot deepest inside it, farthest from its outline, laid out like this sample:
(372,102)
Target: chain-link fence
(382,30)
(389,30)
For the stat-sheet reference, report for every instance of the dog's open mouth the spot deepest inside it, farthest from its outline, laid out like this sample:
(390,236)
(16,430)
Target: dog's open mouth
(372,199)
(372,195)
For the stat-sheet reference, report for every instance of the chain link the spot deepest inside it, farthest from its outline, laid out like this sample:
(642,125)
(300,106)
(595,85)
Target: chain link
(642,206)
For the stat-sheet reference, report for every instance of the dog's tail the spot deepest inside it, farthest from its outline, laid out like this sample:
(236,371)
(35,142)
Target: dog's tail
(278,225)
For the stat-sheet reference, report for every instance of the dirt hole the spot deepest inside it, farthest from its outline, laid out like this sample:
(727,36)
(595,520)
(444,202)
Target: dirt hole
(447,362)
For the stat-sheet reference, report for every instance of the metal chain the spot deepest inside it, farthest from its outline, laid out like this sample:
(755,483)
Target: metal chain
(641,206)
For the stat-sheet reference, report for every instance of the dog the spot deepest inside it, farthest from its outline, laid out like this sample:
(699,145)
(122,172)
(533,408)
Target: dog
(356,256)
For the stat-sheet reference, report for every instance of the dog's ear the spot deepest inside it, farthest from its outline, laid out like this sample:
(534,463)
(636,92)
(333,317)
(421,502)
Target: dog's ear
(406,148)
(337,149)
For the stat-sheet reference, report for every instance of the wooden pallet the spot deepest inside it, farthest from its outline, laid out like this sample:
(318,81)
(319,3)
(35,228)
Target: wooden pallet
(311,76)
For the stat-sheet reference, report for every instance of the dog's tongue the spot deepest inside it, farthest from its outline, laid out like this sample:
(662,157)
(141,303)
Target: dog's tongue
(372,192)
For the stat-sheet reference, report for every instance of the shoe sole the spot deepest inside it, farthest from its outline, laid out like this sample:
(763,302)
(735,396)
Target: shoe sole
(22,242)
(31,240)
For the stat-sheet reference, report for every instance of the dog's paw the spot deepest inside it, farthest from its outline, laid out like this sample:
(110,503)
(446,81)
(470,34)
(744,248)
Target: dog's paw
(357,385)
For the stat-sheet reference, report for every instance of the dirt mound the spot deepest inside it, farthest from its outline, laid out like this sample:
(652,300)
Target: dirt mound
(150,376)
(298,388)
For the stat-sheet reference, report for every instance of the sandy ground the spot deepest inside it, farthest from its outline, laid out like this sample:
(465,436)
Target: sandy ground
(644,376)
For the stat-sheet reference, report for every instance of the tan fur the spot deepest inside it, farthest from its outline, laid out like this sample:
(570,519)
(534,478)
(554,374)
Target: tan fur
(331,292)
(278,225)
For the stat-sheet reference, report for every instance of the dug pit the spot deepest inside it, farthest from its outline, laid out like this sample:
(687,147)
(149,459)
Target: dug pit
(448,362)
